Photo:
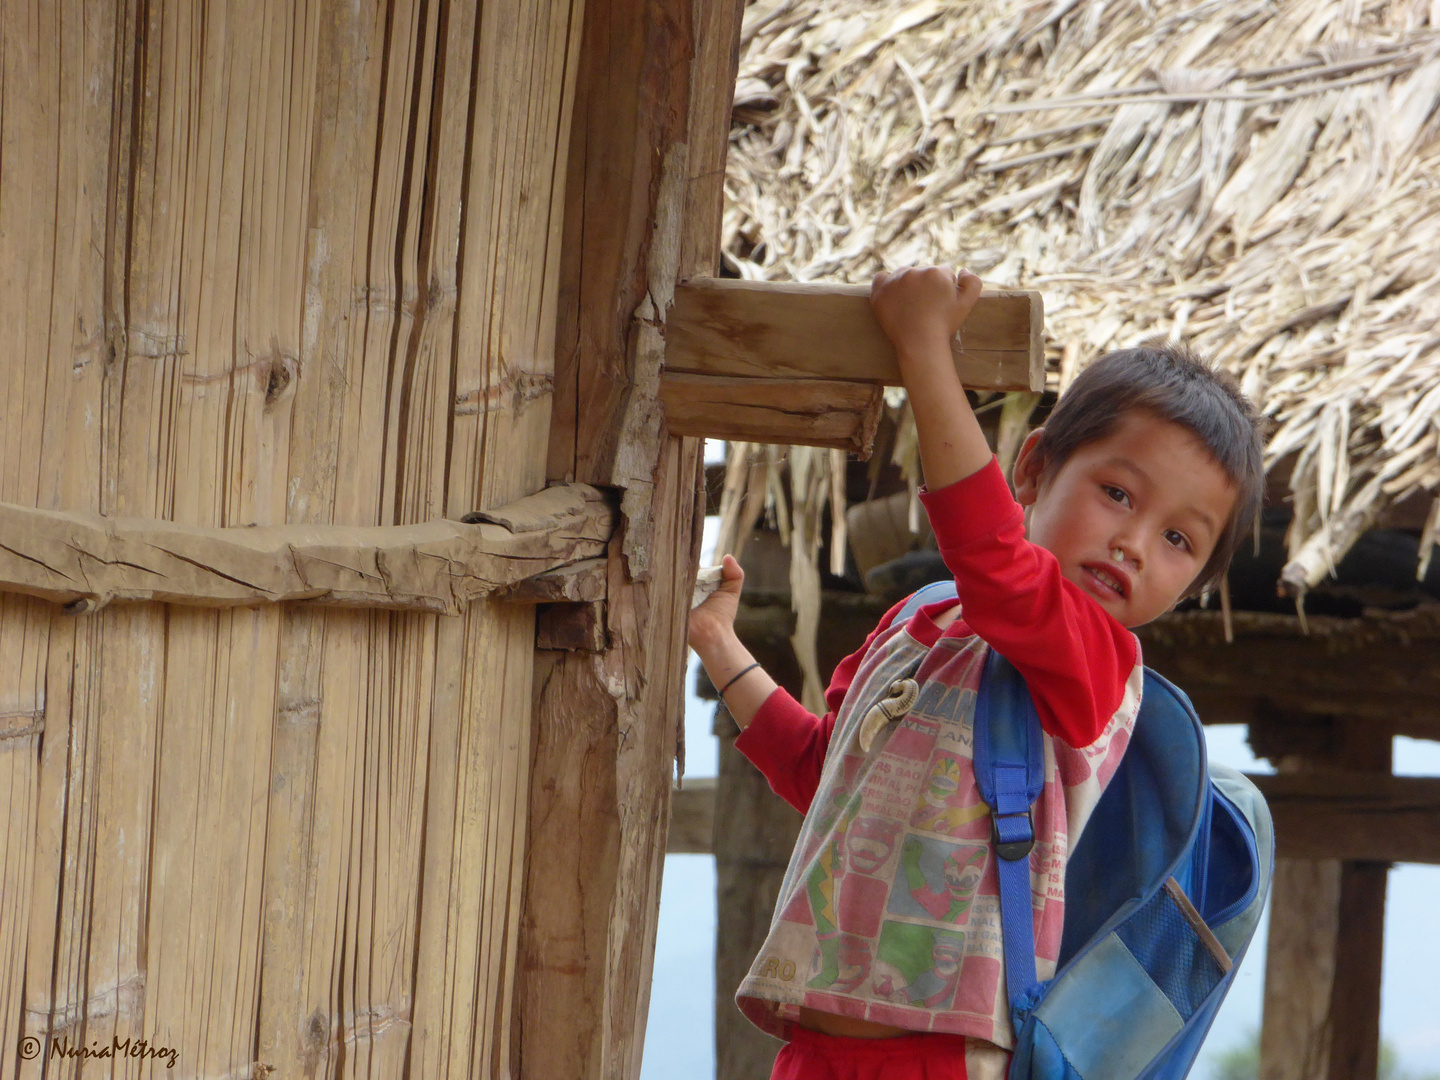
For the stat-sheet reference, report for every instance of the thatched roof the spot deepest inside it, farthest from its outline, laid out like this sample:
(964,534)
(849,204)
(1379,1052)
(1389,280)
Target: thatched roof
(1261,177)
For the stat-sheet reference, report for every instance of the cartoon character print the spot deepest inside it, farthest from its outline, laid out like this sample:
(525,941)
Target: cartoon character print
(950,800)
(936,987)
(843,891)
(960,871)
(825,873)
(854,963)
(917,965)
(869,842)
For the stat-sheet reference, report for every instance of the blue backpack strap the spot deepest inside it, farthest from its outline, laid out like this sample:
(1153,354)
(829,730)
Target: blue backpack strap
(928,594)
(1010,772)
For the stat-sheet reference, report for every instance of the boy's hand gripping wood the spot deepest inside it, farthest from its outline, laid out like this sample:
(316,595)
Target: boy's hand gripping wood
(805,364)
(738,677)
(922,309)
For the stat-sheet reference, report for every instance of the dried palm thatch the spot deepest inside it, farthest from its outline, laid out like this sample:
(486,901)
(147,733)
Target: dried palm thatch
(1261,176)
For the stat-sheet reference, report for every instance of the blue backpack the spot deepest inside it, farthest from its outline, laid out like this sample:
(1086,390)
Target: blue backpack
(1162,892)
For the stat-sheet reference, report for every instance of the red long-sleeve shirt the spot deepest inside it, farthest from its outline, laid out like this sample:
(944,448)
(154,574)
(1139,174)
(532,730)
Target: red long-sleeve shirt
(1074,655)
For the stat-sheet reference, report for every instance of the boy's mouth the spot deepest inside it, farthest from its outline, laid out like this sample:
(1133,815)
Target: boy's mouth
(1109,578)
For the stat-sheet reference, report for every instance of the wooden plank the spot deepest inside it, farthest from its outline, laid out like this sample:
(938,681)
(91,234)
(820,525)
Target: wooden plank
(573,627)
(783,329)
(1254,703)
(655,614)
(1354,816)
(86,561)
(792,412)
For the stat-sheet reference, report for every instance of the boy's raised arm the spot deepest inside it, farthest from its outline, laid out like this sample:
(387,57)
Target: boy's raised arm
(921,309)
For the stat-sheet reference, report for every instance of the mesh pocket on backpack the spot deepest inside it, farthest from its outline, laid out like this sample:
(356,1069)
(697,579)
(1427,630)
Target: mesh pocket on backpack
(1167,947)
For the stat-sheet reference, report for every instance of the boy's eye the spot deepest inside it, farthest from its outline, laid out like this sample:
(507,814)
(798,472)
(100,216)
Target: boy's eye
(1177,539)
(1116,494)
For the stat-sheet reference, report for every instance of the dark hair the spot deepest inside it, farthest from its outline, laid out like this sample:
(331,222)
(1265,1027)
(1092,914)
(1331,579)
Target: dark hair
(1168,380)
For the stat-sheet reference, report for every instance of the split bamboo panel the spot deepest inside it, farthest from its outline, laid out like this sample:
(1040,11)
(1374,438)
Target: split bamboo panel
(279,262)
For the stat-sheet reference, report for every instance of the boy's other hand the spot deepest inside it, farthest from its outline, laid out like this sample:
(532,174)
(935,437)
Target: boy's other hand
(922,307)
(714,619)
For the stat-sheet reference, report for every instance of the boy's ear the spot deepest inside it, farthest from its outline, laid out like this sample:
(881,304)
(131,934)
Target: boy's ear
(1029,465)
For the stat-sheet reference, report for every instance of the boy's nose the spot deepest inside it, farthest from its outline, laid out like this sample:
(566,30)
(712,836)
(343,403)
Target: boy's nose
(1125,553)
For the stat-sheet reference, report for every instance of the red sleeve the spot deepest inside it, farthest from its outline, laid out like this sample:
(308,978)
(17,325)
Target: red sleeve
(1076,658)
(787,742)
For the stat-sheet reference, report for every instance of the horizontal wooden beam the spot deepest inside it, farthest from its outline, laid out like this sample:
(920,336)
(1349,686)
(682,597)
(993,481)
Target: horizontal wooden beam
(577,582)
(1393,713)
(793,412)
(86,561)
(1353,816)
(1321,815)
(823,331)
(1384,670)
(692,818)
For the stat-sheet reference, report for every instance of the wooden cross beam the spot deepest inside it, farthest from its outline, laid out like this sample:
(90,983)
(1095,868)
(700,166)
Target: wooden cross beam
(1349,816)
(543,547)
(805,363)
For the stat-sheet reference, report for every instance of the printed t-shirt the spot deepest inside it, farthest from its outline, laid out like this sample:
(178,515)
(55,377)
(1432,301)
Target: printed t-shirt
(889,909)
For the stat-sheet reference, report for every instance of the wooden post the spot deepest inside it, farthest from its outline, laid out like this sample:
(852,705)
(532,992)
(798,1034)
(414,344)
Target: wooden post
(645,177)
(1322,971)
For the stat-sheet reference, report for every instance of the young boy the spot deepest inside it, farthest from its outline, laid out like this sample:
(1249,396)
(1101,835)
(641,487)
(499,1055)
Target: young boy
(884,955)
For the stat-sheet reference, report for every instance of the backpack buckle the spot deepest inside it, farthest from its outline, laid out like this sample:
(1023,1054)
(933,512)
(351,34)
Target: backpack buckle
(1012,835)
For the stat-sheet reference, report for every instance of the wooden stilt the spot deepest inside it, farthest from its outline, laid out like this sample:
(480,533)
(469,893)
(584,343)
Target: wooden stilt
(1327,918)
(751,853)
(1299,969)
(1355,995)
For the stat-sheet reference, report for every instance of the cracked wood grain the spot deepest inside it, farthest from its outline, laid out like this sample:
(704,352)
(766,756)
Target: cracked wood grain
(826,331)
(87,561)
(804,412)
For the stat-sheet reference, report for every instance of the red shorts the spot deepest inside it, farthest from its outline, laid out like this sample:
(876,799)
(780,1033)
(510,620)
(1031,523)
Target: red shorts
(810,1055)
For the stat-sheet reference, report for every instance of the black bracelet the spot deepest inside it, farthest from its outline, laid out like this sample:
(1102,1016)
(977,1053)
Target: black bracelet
(743,671)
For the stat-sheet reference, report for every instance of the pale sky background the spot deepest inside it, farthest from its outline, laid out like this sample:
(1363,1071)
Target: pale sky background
(680,1037)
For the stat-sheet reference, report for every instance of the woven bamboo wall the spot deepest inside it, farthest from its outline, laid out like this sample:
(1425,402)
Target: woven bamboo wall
(272,262)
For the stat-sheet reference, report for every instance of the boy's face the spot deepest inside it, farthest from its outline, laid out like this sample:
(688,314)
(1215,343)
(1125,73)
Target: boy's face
(1132,518)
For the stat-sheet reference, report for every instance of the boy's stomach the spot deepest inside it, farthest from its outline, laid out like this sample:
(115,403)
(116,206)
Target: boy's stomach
(848,1026)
